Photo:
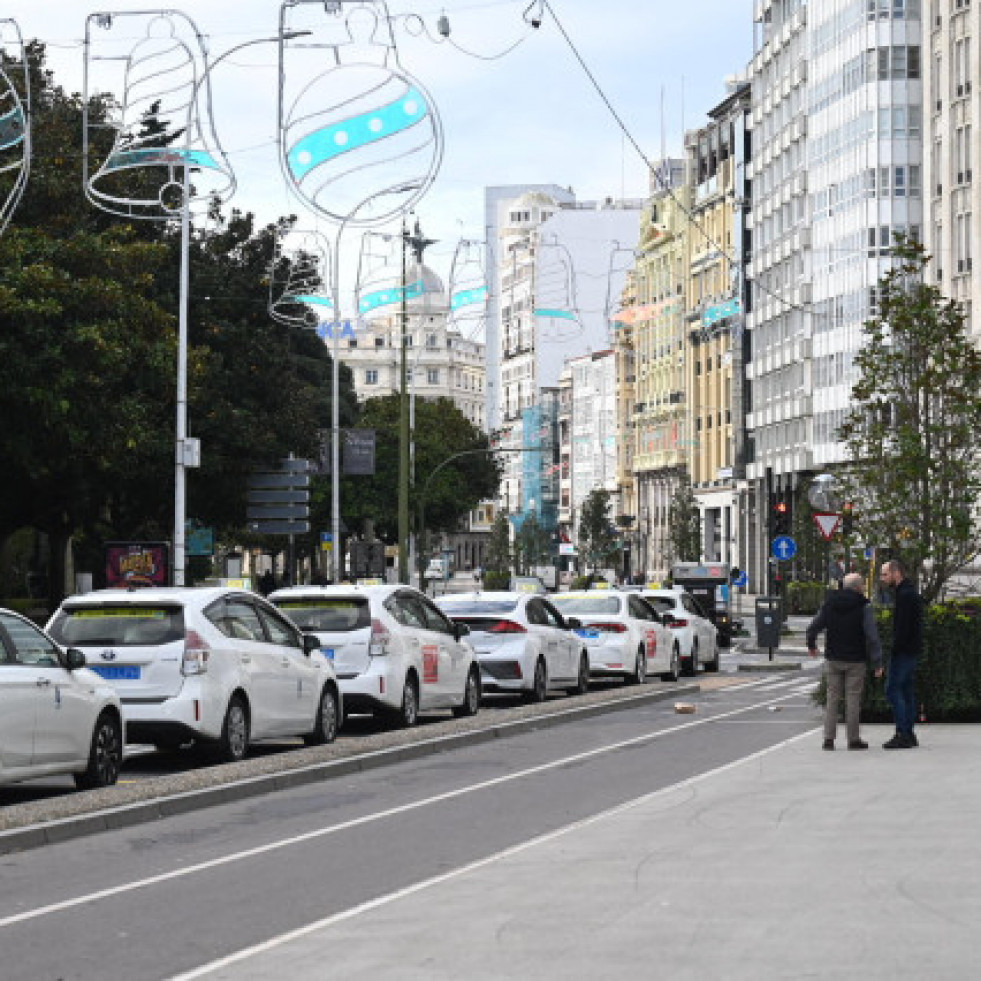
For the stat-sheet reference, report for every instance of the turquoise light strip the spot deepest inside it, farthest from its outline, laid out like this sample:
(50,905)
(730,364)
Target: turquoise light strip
(384,298)
(466,297)
(358,131)
(11,129)
(557,314)
(159,155)
(311,298)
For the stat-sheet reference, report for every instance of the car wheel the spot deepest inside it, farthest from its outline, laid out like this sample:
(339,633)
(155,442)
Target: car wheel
(408,713)
(105,754)
(692,669)
(713,664)
(234,741)
(471,696)
(582,678)
(539,688)
(639,675)
(325,729)
(674,672)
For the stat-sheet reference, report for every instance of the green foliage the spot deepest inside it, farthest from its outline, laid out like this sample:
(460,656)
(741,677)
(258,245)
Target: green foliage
(451,489)
(914,473)
(948,675)
(531,545)
(499,581)
(498,556)
(598,544)
(684,524)
(805,597)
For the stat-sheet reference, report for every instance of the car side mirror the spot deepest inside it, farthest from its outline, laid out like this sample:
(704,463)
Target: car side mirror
(310,644)
(74,659)
(460,630)
(573,623)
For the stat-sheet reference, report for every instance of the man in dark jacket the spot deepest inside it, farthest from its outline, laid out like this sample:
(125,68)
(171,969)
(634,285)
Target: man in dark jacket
(852,640)
(907,645)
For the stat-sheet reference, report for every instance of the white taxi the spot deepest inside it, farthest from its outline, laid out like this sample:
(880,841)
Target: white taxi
(698,637)
(624,634)
(393,651)
(55,716)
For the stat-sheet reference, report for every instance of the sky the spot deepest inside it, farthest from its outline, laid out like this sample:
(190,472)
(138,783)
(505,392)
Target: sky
(516,108)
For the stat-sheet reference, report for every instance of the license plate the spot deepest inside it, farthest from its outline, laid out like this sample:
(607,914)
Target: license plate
(328,652)
(117,672)
(586,633)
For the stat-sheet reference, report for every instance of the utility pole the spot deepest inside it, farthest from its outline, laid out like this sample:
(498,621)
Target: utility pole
(419,243)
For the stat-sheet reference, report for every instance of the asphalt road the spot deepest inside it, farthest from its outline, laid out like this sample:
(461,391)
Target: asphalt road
(160,900)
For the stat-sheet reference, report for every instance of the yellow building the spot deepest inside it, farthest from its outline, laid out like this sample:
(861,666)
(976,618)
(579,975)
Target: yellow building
(651,347)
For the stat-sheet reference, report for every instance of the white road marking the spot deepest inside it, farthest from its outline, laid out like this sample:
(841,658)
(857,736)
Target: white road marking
(372,904)
(273,846)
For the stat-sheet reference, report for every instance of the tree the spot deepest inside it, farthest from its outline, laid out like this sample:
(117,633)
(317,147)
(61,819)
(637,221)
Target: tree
(914,473)
(498,556)
(597,537)
(532,544)
(452,489)
(684,524)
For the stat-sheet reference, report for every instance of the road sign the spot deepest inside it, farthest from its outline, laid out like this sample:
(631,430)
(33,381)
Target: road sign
(828,522)
(742,580)
(279,527)
(783,547)
(274,512)
(285,495)
(258,481)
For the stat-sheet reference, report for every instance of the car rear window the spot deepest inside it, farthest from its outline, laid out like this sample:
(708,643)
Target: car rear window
(118,626)
(463,608)
(601,603)
(341,614)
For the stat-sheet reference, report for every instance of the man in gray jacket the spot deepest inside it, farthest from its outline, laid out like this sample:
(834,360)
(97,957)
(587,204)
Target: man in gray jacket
(852,640)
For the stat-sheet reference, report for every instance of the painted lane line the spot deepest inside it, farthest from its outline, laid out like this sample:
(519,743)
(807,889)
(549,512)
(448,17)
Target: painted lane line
(313,835)
(380,901)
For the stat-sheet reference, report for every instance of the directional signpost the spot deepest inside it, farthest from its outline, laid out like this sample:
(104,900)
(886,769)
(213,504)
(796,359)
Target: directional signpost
(278,503)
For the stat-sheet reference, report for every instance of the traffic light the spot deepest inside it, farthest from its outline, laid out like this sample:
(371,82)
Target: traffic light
(847,518)
(781,516)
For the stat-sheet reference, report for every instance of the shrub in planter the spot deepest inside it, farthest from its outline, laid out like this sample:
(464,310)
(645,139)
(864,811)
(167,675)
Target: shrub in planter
(497,580)
(948,675)
(805,597)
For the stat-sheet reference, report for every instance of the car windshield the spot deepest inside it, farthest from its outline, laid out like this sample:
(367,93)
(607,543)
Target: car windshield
(118,625)
(600,603)
(319,613)
(476,607)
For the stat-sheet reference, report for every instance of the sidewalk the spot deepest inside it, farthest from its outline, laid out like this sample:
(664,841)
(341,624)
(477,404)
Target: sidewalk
(794,863)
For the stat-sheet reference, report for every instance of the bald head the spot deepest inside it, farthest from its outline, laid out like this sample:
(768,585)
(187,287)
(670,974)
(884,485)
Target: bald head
(854,581)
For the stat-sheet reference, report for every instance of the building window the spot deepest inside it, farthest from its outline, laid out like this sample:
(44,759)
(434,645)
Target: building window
(371,377)
(379,342)
(432,376)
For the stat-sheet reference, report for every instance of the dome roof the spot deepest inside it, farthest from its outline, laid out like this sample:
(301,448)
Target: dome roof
(422,288)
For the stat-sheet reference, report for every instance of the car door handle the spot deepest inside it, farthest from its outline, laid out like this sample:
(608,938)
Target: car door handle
(285,662)
(43,682)
(245,659)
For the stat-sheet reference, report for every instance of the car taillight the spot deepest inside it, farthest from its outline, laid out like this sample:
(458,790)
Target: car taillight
(196,654)
(608,628)
(506,627)
(678,623)
(380,639)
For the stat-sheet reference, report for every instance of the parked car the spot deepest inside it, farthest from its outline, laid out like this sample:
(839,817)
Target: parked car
(524,645)
(210,664)
(394,651)
(55,715)
(623,633)
(697,635)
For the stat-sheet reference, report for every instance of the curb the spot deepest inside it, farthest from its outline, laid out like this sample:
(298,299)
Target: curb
(129,815)
(765,666)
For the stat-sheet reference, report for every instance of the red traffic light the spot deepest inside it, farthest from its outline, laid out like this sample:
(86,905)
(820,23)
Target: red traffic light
(781,507)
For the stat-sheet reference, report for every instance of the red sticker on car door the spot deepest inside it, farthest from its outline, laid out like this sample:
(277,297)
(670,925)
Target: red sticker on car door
(430,664)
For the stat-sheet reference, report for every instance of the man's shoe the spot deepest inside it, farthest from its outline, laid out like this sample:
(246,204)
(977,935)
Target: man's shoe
(899,741)
(913,741)
(858,744)
(828,744)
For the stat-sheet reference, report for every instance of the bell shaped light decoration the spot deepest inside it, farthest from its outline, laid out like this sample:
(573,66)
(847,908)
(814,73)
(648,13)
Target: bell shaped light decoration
(557,316)
(300,291)
(468,288)
(147,117)
(360,139)
(15,115)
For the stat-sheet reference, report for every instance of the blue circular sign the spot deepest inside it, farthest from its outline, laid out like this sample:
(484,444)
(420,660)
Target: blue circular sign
(783,548)
(741,580)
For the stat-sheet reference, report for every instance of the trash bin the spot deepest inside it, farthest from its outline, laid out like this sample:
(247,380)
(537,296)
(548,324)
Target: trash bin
(769,618)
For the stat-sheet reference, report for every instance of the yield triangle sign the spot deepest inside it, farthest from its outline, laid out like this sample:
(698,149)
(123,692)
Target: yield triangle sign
(827,524)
